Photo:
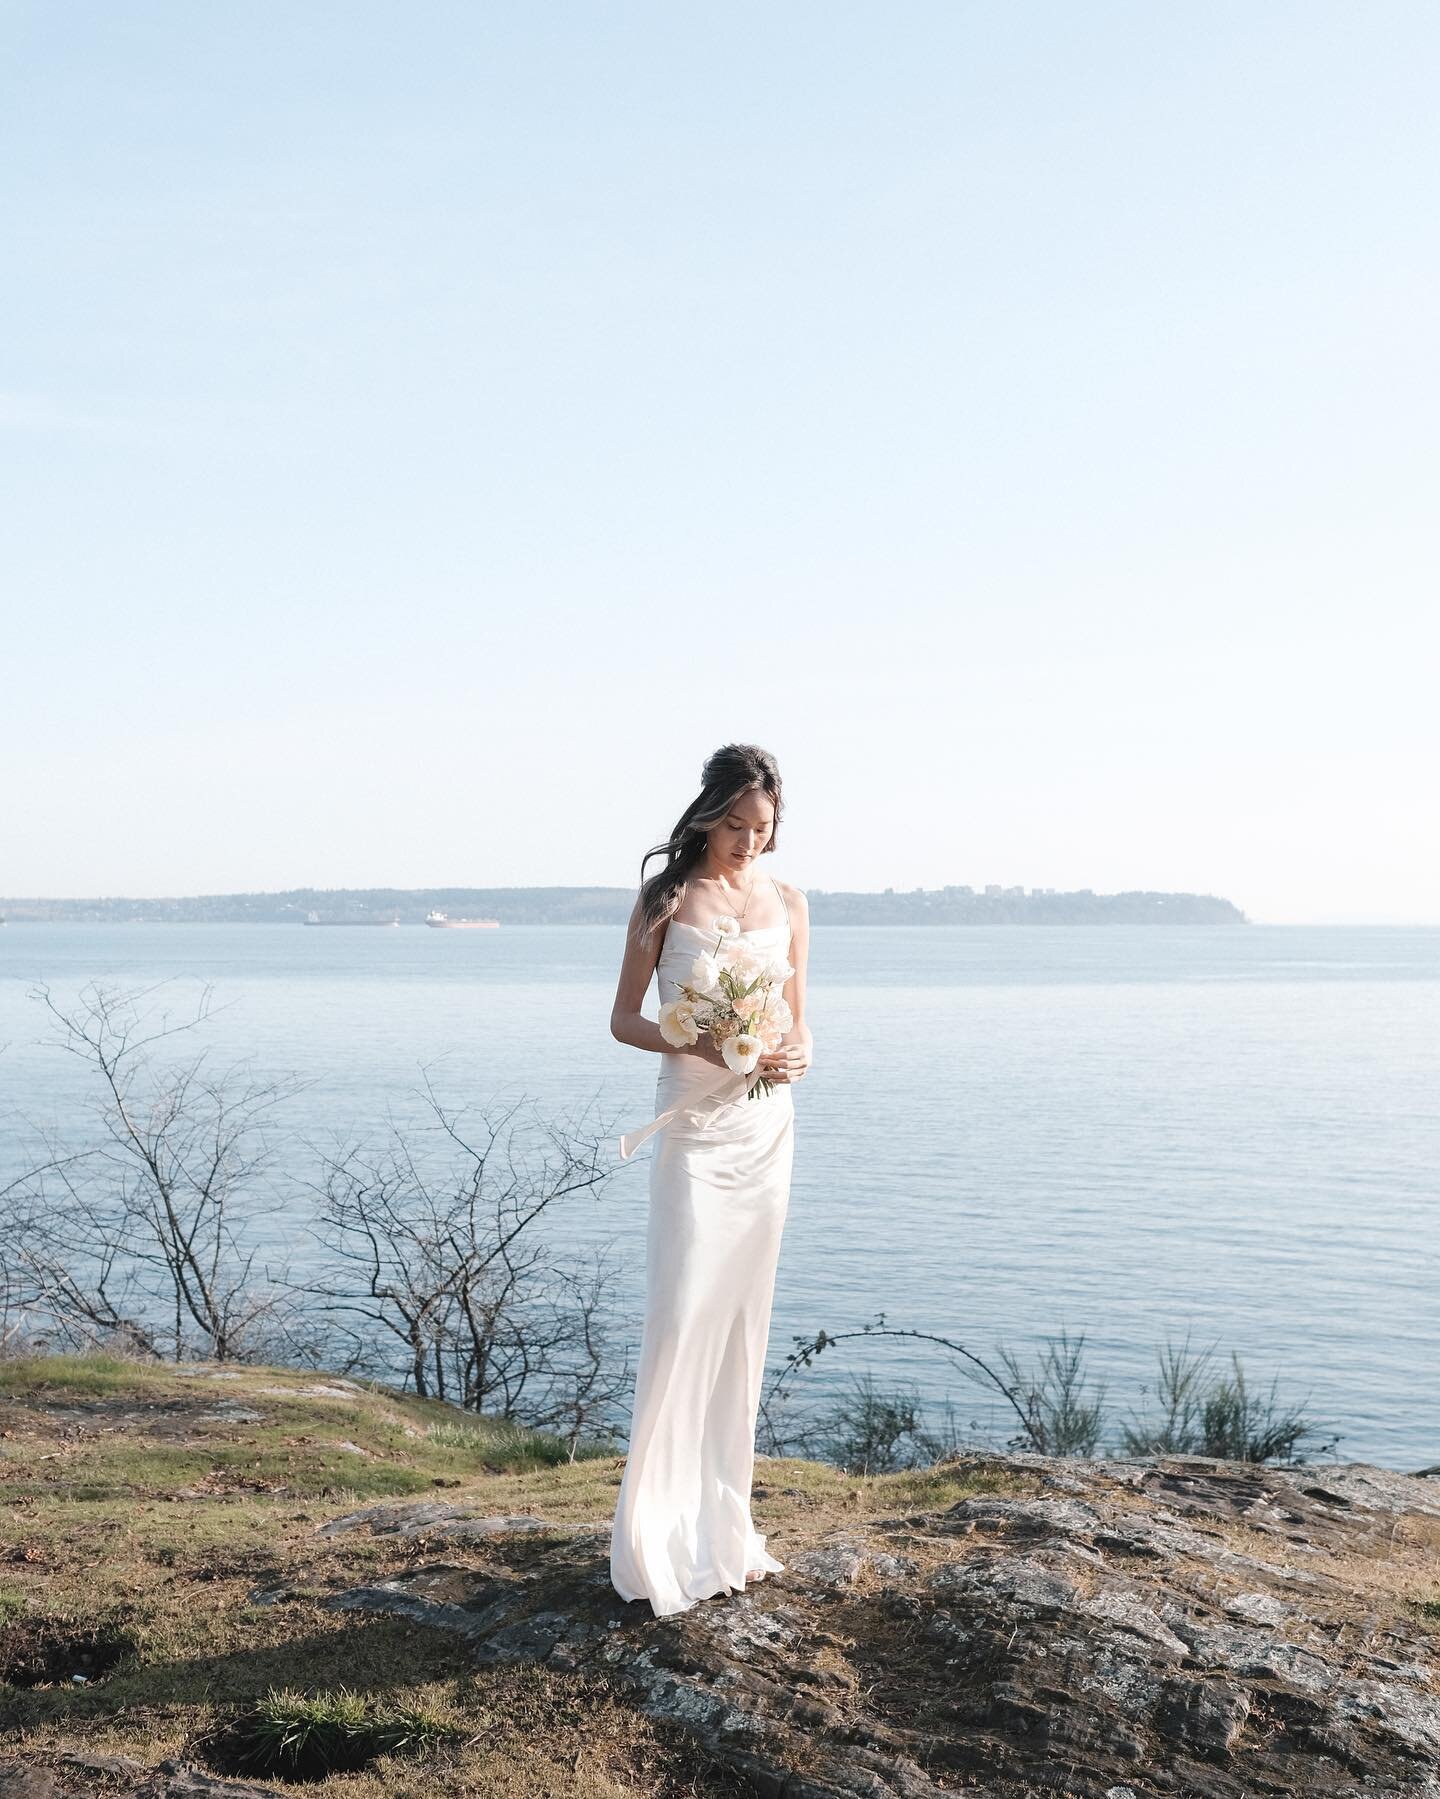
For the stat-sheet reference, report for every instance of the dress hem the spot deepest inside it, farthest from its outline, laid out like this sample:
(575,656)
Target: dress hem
(772,1566)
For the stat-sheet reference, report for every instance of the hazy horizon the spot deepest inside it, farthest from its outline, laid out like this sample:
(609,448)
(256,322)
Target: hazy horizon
(429,435)
(1397,923)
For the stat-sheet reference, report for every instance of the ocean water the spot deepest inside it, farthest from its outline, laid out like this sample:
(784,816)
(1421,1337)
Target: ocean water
(1128,1133)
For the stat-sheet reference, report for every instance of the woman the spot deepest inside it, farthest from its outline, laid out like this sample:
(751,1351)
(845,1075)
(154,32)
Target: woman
(719,1190)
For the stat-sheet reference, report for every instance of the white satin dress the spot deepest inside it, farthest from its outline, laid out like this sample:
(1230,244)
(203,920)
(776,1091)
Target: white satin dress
(719,1192)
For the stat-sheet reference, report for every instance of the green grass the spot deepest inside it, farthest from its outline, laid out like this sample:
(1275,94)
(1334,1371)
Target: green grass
(141,1518)
(92,1376)
(372,1444)
(301,1736)
(511,1445)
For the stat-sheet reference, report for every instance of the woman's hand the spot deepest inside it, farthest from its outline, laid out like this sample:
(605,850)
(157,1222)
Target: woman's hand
(788,1063)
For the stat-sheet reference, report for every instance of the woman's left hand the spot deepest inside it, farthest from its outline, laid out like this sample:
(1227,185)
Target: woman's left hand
(788,1063)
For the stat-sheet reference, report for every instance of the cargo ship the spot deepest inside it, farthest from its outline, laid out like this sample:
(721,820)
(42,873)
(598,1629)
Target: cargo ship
(441,921)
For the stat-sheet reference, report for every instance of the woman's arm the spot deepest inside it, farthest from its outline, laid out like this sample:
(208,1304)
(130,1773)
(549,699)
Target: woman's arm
(637,969)
(796,1046)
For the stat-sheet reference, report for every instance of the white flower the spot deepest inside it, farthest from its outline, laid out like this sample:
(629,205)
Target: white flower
(705,974)
(747,963)
(726,925)
(677,1022)
(777,968)
(778,1012)
(741,1052)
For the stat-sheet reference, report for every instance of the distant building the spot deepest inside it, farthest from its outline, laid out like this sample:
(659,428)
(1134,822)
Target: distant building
(992,891)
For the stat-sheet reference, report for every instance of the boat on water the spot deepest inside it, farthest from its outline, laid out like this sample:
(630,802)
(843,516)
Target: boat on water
(315,918)
(441,921)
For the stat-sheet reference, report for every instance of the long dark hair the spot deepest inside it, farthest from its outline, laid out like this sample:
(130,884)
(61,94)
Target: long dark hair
(726,775)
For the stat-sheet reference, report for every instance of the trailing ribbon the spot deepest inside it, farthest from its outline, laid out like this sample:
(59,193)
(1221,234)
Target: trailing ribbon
(710,1098)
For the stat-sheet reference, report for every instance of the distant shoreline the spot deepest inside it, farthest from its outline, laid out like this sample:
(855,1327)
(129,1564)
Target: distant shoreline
(611,906)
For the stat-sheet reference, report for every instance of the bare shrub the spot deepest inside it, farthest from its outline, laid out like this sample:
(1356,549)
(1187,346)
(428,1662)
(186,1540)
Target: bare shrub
(148,1239)
(438,1262)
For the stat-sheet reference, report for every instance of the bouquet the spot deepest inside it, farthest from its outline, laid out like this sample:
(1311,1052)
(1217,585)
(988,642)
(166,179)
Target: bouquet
(735,995)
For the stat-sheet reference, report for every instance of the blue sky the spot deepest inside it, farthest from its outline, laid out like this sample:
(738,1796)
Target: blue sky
(428,431)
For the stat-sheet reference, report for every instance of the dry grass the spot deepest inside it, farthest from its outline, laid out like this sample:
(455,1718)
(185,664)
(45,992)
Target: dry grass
(145,1503)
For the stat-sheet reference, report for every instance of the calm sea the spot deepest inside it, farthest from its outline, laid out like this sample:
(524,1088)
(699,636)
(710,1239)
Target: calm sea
(1127,1132)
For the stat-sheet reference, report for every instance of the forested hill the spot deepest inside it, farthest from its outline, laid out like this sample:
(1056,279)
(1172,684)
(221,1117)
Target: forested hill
(611,906)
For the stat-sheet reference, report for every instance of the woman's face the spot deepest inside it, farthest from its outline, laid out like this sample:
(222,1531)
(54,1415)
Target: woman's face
(742,834)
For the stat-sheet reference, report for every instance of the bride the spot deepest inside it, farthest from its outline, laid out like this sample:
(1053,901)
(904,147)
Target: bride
(719,1190)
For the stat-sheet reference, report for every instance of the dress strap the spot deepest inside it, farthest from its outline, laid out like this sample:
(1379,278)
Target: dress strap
(776,885)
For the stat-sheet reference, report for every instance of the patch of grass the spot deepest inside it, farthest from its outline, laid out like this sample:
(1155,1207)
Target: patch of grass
(829,1494)
(114,1468)
(92,1375)
(175,1424)
(501,1444)
(300,1736)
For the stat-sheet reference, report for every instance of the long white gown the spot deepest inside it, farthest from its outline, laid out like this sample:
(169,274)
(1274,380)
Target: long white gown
(719,1192)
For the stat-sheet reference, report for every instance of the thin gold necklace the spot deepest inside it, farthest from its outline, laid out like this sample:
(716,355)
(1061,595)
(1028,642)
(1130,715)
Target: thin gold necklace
(749,895)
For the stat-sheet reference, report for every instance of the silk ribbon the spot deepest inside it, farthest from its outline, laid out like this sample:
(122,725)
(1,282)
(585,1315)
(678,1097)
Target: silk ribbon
(711,1102)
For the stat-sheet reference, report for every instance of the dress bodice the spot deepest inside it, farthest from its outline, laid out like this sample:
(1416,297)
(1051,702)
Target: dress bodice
(691,1091)
(684,942)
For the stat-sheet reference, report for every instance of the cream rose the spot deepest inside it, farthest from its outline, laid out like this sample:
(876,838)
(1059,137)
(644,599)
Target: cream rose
(747,964)
(678,1024)
(705,974)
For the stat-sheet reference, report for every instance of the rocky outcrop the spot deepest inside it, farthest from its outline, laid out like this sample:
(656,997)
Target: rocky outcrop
(120,1774)
(1125,1628)
(1119,1629)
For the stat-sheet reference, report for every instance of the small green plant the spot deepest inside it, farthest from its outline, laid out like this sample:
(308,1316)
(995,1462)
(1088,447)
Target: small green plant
(1049,1404)
(303,1736)
(1205,1414)
(492,1441)
(1059,1420)
(504,1444)
(873,1433)
(1060,1412)
(12,1606)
